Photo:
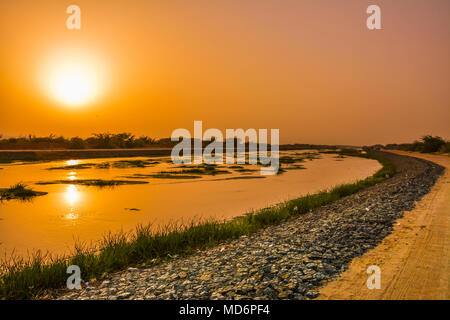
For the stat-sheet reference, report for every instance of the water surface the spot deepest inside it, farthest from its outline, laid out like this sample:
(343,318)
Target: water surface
(72,212)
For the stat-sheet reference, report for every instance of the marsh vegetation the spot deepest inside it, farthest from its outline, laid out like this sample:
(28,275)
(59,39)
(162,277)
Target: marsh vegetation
(19,191)
(92,182)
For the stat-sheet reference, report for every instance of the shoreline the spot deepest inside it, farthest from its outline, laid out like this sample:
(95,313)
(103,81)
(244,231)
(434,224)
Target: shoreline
(65,154)
(118,253)
(286,261)
(414,260)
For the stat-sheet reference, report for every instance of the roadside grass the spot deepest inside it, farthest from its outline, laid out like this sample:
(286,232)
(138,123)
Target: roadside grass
(25,278)
(19,191)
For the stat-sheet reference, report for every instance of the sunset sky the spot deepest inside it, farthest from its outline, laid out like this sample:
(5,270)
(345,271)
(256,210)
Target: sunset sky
(308,67)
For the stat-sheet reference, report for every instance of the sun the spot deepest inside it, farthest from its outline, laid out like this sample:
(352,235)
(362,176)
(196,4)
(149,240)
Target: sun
(73,78)
(74,84)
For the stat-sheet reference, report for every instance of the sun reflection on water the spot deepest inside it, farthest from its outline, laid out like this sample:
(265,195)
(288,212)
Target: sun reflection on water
(72,162)
(72,175)
(72,196)
(71,215)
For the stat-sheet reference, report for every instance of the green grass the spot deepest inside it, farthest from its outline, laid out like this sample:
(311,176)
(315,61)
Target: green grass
(26,278)
(19,191)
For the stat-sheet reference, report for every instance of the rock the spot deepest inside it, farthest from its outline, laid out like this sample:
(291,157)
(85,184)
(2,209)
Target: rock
(205,277)
(105,282)
(284,294)
(124,295)
(312,295)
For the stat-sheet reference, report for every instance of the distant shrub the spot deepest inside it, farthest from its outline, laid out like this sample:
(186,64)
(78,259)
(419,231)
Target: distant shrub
(445,148)
(95,141)
(432,144)
(76,143)
(427,144)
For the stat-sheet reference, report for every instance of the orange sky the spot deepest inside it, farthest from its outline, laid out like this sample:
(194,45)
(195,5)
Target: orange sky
(308,67)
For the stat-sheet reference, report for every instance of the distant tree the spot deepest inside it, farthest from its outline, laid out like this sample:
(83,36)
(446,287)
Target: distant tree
(95,141)
(122,140)
(102,140)
(416,146)
(76,143)
(445,148)
(432,144)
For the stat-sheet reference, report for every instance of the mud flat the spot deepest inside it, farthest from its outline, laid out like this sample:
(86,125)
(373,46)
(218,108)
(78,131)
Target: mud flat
(289,261)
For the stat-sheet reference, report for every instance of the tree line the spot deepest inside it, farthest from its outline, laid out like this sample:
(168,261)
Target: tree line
(95,141)
(426,144)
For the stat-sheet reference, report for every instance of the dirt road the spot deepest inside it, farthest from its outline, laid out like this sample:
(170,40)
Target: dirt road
(414,259)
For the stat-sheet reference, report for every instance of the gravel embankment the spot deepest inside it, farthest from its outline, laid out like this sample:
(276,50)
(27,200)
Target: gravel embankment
(288,261)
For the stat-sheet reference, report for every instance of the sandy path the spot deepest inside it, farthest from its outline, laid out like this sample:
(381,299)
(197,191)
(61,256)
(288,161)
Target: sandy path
(414,259)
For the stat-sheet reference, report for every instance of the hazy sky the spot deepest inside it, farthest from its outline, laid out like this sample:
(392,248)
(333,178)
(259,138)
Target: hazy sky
(308,67)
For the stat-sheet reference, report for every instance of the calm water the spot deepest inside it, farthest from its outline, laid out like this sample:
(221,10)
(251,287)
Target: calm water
(72,212)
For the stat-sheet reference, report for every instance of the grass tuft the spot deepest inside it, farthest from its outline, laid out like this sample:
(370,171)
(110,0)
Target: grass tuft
(19,191)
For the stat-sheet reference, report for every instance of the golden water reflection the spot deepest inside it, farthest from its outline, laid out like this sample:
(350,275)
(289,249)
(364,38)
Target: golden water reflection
(72,197)
(72,215)
(72,175)
(69,211)
(72,162)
